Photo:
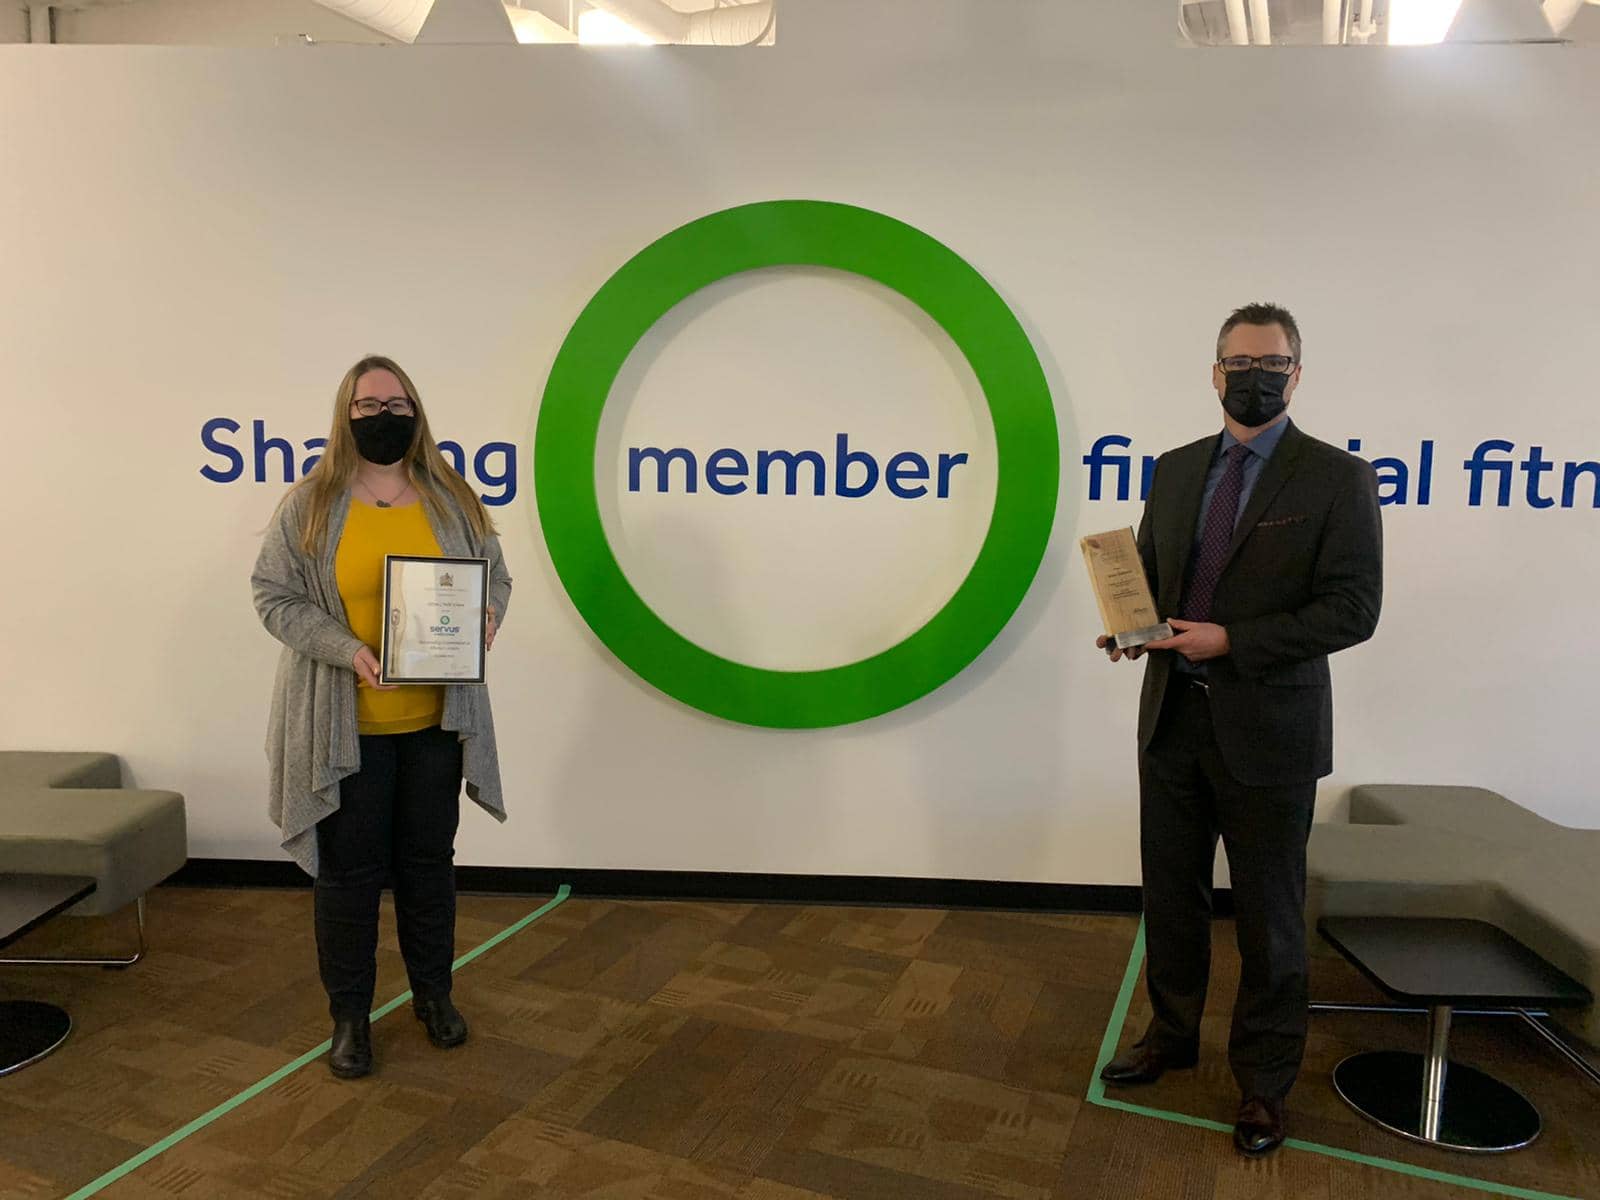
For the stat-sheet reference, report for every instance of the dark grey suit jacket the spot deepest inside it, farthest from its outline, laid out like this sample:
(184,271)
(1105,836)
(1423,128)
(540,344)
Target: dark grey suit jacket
(1304,578)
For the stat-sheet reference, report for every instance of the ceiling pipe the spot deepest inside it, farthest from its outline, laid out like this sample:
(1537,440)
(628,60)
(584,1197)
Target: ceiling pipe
(41,24)
(1238,31)
(1364,27)
(1260,23)
(1332,22)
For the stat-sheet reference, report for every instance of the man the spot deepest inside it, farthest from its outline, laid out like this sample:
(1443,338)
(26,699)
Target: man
(1267,545)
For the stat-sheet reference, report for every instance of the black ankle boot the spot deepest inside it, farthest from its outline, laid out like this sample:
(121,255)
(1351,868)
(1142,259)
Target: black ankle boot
(351,1055)
(446,1027)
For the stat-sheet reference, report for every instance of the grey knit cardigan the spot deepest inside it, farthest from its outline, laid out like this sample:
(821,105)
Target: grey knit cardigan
(311,734)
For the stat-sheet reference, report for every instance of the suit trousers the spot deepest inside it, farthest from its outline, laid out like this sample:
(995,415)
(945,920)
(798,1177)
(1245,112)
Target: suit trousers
(396,820)
(1186,799)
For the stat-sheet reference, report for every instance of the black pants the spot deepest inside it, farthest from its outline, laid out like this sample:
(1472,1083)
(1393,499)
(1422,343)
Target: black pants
(1186,798)
(397,820)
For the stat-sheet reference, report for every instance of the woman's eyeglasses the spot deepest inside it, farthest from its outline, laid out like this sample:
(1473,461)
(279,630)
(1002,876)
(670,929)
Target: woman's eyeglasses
(371,407)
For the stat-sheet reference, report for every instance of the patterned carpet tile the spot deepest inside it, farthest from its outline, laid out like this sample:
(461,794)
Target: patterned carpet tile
(663,1051)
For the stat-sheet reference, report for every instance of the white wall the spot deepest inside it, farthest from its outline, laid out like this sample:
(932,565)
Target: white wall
(189,234)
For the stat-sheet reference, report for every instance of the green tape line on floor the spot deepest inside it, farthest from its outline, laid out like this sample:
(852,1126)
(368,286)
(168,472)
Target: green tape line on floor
(310,1056)
(1108,1047)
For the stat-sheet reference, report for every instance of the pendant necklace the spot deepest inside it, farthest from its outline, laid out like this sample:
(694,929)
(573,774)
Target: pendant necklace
(381,503)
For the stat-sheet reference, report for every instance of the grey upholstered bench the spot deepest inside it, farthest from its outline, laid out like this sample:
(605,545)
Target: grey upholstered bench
(1413,850)
(68,814)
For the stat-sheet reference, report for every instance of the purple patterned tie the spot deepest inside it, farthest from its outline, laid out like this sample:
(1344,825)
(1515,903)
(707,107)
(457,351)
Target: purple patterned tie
(1213,552)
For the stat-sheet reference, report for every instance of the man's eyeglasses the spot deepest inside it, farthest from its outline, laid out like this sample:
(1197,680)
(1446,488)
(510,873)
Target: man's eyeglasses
(1279,364)
(370,407)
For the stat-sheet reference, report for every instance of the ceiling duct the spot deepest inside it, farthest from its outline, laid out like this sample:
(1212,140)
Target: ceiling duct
(737,25)
(1382,22)
(400,19)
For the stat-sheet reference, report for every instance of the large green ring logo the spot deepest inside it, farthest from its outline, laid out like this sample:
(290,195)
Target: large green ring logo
(797,233)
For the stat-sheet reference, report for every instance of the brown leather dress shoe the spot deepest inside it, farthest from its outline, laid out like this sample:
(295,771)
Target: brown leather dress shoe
(1258,1129)
(1142,1064)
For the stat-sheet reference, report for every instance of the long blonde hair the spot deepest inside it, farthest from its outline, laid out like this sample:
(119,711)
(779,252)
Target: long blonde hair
(430,474)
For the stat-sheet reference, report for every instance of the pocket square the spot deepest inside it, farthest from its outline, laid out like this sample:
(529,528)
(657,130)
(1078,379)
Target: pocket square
(1277,521)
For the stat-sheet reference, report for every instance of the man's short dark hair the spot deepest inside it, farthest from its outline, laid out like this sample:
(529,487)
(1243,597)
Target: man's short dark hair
(1262,314)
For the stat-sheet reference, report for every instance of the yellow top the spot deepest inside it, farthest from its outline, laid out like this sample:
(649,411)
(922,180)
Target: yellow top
(369,534)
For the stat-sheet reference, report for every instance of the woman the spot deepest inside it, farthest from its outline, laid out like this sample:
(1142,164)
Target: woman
(366,777)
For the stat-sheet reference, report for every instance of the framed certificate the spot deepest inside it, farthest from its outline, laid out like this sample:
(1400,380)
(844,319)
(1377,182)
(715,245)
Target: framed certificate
(435,619)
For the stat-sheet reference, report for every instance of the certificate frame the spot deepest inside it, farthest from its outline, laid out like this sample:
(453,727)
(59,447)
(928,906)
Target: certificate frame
(401,594)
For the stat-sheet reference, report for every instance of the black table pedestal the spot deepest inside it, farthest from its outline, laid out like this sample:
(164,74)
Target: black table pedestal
(29,1031)
(1427,1098)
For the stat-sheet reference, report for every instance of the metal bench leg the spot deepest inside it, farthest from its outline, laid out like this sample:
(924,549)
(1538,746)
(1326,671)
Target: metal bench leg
(68,961)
